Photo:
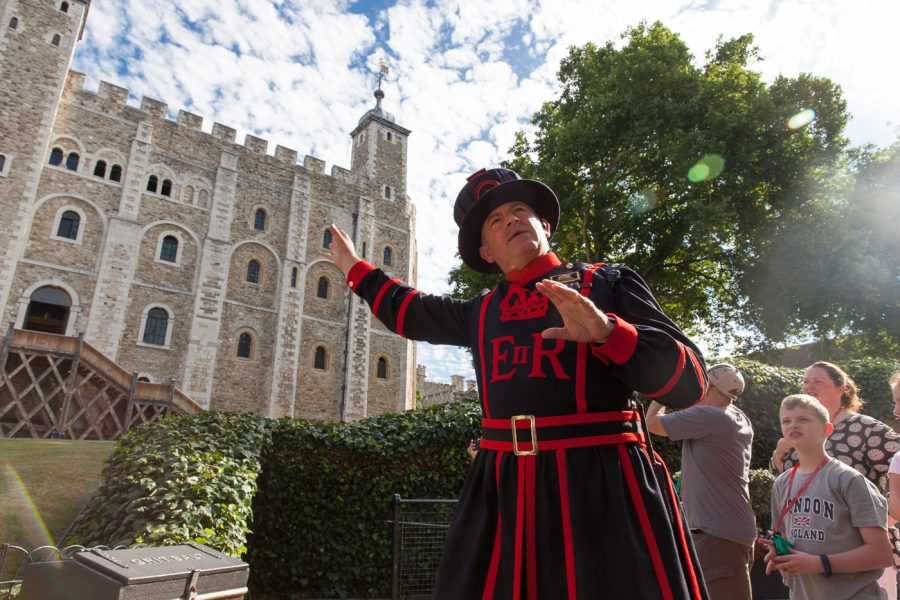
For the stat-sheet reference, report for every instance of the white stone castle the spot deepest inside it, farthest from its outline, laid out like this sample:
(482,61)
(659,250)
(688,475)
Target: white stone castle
(183,255)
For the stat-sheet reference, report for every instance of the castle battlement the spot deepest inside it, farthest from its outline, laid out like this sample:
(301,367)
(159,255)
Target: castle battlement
(75,82)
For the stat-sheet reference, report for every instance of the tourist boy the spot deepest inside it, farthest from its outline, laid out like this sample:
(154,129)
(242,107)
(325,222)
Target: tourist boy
(834,518)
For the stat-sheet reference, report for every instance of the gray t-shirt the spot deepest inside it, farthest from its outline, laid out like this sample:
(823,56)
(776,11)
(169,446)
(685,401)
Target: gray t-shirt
(826,520)
(715,468)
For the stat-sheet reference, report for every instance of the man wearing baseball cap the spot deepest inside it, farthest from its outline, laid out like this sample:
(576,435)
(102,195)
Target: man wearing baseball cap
(562,500)
(715,471)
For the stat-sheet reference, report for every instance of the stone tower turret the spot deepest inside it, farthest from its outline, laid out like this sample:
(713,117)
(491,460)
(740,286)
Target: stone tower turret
(37,41)
(384,233)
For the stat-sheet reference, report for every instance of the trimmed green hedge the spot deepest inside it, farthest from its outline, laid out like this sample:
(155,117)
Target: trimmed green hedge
(177,480)
(326,495)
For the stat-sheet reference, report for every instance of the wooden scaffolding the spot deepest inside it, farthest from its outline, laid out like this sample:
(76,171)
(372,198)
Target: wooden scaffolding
(56,386)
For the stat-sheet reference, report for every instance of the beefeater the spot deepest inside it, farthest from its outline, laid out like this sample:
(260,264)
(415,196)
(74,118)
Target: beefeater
(565,499)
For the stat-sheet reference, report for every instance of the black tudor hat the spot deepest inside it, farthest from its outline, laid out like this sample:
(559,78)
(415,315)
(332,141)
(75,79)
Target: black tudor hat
(484,191)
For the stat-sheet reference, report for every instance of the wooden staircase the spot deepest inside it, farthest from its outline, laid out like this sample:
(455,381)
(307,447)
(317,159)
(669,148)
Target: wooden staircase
(56,386)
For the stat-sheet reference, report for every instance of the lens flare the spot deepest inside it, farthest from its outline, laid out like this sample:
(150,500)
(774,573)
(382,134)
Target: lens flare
(801,119)
(706,169)
(34,515)
(641,202)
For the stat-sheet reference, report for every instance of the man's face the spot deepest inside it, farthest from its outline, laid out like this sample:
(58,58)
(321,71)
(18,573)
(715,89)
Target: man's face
(513,235)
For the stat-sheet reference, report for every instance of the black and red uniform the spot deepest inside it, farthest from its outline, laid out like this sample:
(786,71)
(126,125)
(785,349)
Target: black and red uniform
(587,516)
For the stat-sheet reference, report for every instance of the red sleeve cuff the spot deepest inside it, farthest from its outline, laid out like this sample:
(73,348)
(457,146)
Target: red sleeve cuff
(357,272)
(621,344)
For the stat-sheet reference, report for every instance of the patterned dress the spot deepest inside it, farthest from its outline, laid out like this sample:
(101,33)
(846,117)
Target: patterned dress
(564,500)
(864,443)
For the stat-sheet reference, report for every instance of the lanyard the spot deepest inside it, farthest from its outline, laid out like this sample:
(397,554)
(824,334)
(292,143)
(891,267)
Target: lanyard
(793,500)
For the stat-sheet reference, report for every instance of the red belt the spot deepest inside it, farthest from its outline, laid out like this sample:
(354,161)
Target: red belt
(560,432)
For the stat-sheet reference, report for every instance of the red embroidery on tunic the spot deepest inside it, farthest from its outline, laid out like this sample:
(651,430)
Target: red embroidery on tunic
(519,305)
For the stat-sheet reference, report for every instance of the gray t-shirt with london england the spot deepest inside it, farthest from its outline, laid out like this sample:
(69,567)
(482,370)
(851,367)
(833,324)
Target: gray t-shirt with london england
(826,520)
(715,465)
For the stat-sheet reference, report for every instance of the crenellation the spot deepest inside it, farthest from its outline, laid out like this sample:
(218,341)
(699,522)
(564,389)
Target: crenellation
(340,173)
(255,144)
(190,120)
(154,107)
(314,165)
(224,133)
(286,155)
(74,81)
(113,92)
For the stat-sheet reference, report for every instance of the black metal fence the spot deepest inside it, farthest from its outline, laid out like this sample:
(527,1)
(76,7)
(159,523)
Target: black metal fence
(420,526)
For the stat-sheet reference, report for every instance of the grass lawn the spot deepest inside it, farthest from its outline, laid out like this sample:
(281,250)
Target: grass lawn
(58,476)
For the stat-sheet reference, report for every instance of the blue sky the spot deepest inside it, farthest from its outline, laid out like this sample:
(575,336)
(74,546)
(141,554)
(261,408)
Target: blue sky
(465,75)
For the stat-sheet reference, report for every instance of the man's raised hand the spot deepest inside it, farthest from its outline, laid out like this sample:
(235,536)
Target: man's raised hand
(582,320)
(341,250)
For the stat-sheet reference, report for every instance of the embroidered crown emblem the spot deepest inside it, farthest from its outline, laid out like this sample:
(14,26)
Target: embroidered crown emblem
(519,305)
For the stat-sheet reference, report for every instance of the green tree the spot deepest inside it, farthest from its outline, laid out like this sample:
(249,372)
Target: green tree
(689,174)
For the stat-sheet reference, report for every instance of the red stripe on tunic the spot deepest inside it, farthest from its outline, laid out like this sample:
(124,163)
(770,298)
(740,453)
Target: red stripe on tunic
(520,525)
(484,379)
(679,528)
(700,373)
(384,288)
(675,376)
(560,420)
(531,541)
(611,439)
(620,346)
(491,580)
(401,314)
(563,476)
(641,509)
(581,360)
(357,273)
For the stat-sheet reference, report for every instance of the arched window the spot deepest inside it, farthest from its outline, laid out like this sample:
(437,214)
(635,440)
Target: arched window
(68,225)
(388,256)
(387,192)
(245,345)
(64,7)
(322,288)
(143,379)
(253,271)
(389,136)
(166,189)
(259,220)
(294,277)
(14,23)
(152,182)
(319,361)
(72,161)
(155,327)
(56,39)
(100,169)
(115,173)
(326,238)
(169,249)
(56,156)
(381,369)
(189,194)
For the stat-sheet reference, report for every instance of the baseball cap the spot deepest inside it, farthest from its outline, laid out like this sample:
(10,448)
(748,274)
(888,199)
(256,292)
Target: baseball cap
(727,379)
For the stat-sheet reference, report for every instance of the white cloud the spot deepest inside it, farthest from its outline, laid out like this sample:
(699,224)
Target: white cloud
(290,72)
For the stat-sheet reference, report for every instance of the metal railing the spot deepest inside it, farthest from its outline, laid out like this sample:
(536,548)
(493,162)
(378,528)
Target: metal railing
(420,526)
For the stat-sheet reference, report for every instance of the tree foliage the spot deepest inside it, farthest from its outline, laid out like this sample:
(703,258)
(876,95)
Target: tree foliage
(691,174)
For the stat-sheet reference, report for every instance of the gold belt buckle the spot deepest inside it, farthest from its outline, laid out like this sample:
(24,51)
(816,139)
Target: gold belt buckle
(515,441)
